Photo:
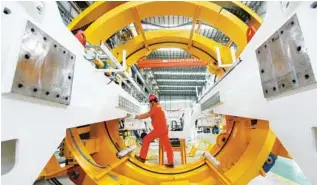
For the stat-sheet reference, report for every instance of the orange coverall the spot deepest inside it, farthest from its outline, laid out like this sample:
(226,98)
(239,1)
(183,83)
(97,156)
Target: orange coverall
(160,131)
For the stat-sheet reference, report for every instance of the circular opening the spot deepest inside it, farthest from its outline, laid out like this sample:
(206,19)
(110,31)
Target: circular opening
(223,139)
(27,56)
(47,93)
(35,90)
(283,85)
(294,81)
(6,11)
(266,91)
(55,45)
(32,30)
(69,77)
(265,46)
(274,88)
(66,98)
(262,70)
(273,40)
(306,76)
(292,23)
(72,57)
(299,48)
(258,52)
(20,86)
(64,52)
(269,160)
(282,32)
(44,38)
(57,96)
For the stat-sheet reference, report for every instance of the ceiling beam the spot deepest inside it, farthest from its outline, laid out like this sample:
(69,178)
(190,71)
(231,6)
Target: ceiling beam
(169,63)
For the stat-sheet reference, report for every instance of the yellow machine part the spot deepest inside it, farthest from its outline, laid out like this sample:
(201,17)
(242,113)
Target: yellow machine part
(98,63)
(242,150)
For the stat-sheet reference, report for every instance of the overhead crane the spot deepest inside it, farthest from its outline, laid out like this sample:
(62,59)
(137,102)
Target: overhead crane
(79,113)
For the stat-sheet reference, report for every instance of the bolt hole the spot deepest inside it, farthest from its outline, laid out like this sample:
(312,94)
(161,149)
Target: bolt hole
(265,46)
(72,57)
(299,48)
(55,46)
(215,63)
(292,23)
(26,56)
(282,32)
(294,81)
(64,52)
(283,85)
(274,88)
(223,139)
(44,38)
(258,52)
(262,71)
(266,91)
(306,76)
(66,98)
(273,40)
(20,85)
(57,96)
(6,11)
(47,93)
(32,30)
(35,90)
(69,77)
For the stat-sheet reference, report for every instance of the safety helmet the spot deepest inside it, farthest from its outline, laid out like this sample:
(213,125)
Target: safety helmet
(152,97)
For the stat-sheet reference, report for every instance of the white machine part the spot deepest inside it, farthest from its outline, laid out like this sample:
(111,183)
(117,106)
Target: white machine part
(211,159)
(292,116)
(36,127)
(126,151)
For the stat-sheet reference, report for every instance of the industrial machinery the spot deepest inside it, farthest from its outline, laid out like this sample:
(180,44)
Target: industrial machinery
(54,97)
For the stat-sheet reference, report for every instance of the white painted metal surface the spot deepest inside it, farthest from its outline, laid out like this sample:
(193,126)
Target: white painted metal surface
(291,116)
(39,126)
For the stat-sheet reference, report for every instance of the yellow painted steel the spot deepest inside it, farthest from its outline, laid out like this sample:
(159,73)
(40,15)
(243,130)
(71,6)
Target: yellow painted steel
(119,17)
(241,156)
(92,13)
(202,48)
(99,8)
(98,63)
(255,21)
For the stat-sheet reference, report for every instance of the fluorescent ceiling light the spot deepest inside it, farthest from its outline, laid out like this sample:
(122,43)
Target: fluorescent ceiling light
(181,86)
(178,73)
(177,90)
(170,49)
(179,80)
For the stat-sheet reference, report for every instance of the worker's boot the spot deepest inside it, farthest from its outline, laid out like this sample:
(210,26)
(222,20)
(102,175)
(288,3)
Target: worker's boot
(169,165)
(140,159)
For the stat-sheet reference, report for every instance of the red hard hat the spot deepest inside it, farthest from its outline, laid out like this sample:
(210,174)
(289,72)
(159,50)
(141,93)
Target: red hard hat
(152,97)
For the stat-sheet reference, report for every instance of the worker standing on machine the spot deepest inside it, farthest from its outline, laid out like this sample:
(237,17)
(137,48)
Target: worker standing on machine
(160,131)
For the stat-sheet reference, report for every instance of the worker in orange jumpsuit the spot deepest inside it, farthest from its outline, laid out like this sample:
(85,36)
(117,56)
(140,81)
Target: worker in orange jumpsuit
(160,131)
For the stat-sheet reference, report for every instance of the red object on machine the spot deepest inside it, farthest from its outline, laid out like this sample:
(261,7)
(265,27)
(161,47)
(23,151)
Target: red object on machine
(80,35)
(250,33)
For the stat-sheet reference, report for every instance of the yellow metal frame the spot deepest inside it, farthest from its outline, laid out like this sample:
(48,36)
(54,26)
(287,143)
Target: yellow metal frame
(241,157)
